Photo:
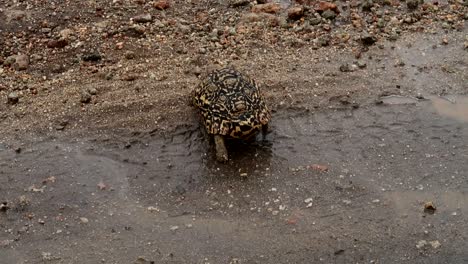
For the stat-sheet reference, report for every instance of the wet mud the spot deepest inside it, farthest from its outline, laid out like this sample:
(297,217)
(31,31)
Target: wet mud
(334,186)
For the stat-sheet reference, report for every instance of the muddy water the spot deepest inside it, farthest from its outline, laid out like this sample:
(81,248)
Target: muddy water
(344,186)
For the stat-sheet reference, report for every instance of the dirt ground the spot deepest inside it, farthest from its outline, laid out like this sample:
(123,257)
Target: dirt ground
(102,159)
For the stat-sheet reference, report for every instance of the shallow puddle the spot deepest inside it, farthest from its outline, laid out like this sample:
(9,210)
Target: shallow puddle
(333,186)
(452,106)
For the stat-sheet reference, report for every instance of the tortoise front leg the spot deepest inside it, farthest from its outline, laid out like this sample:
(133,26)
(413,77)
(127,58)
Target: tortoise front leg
(221,151)
(264,131)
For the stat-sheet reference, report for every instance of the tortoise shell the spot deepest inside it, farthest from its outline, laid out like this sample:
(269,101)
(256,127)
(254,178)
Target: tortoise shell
(231,104)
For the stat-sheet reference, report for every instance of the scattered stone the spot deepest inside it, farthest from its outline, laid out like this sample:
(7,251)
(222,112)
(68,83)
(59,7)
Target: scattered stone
(361,64)
(162,4)
(315,21)
(295,13)
(129,77)
(323,6)
(57,43)
(368,39)
(61,125)
(271,8)
(6,242)
(47,256)
(152,209)
(21,62)
(329,14)
(412,4)
(435,244)
(23,201)
(101,186)
(421,244)
(143,260)
(323,40)
(13,98)
(347,202)
(143,18)
(66,33)
(92,91)
(4,206)
(84,220)
(85,97)
(445,41)
(429,208)
(174,228)
(238,3)
(367,5)
(135,31)
(93,56)
(9,61)
(320,168)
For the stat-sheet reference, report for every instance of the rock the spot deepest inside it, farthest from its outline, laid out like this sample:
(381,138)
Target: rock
(57,43)
(13,98)
(329,14)
(361,64)
(134,31)
(94,56)
(130,55)
(129,77)
(315,21)
(162,4)
(412,4)
(61,125)
(6,242)
(323,41)
(323,6)
(423,243)
(85,97)
(368,39)
(271,8)
(21,62)
(47,256)
(23,201)
(66,33)
(295,13)
(184,29)
(435,244)
(84,220)
(348,68)
(238,3)
(319,167)
(9,61)
(4,206)
(429,208)
(367,5)
(92,91)
(143,18)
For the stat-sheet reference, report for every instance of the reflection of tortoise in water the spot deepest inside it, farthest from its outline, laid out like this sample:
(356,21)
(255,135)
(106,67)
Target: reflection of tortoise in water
(231,106)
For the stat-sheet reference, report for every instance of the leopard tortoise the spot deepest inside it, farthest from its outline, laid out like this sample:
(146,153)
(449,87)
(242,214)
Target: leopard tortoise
(231,106)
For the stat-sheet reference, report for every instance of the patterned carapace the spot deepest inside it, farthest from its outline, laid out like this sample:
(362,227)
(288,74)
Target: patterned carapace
(231,104)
